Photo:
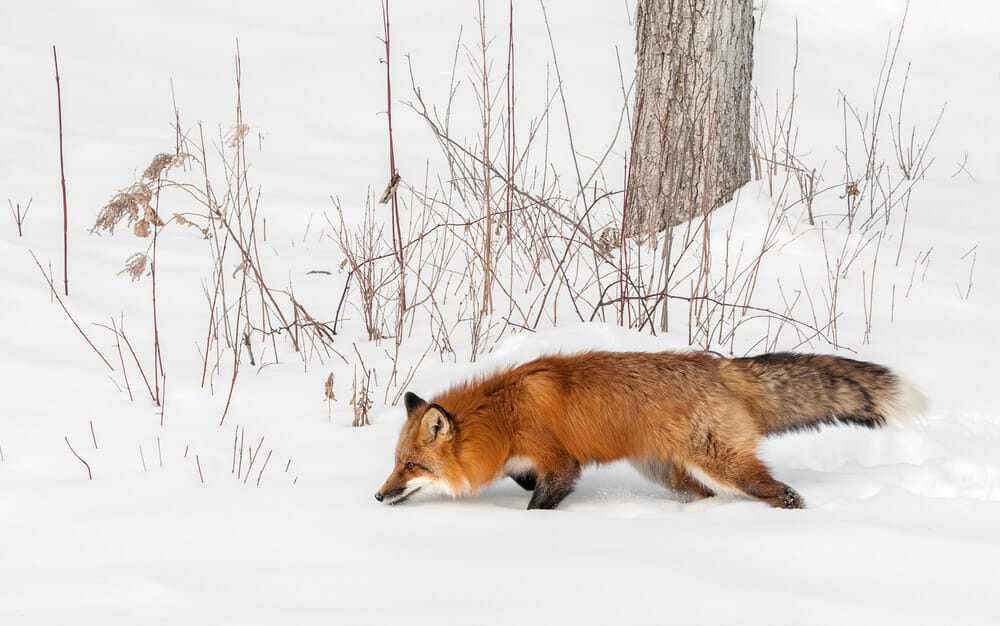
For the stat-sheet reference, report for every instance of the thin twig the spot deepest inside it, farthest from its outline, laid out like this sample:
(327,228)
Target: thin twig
(90,474)
(66,311)
(264,467)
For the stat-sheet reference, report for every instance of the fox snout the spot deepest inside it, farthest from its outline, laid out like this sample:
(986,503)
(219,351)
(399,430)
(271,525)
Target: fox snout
(396,492)
(397,487)
(390,496)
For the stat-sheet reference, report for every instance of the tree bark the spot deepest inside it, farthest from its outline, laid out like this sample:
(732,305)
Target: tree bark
(691,147)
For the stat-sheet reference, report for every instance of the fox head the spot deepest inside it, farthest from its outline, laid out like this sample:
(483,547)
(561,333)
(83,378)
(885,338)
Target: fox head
(426,458)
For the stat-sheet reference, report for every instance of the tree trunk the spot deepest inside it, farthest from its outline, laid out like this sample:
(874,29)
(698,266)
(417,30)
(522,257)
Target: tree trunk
(692,110)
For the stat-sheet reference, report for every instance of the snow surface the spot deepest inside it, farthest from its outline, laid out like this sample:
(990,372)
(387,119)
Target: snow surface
(902,525)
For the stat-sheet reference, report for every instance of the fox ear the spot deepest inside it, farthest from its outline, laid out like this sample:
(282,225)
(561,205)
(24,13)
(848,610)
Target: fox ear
(436,424)
(412,402)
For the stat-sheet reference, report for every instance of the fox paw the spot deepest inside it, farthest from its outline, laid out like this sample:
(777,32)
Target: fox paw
(790,499)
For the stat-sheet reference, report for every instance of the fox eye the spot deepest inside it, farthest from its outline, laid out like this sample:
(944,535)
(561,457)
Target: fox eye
(409,465)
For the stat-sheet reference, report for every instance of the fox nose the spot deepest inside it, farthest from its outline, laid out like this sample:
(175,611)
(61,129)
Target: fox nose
(379,496)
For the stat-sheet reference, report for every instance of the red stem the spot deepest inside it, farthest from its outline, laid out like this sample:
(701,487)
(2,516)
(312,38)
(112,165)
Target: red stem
(510,125)
(253,457)
(397,233)
(157,363)
(623,261)
(158,371)
(211,313)
(232,384)
(623,251)
(121,359)
(236,349)
(90,474)
(66,311)
(62,173)
(236,438)
(128,344)
(261,474)
(163,399)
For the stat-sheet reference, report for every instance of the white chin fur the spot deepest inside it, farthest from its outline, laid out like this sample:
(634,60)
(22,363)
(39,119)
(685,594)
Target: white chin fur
(425,485)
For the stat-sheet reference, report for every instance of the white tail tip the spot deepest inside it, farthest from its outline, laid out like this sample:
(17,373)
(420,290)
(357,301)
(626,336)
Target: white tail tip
(906,404)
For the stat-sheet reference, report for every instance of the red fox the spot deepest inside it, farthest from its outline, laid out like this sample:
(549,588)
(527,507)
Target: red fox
(688,421)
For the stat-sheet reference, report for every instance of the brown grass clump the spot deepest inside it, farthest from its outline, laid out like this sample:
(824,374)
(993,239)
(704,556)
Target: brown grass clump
(361,402)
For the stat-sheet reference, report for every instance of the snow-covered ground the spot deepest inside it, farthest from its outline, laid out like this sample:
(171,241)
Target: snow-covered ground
(902,525)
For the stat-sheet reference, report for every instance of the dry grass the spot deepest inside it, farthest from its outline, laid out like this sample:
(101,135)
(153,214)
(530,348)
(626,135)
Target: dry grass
(524,253)
(497,242)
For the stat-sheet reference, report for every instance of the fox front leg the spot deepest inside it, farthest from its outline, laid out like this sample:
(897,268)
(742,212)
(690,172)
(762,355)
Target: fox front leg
(526,480)
(553,486)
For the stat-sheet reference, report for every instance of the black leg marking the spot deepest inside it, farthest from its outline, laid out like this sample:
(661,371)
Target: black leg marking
(554,486)
(527,481)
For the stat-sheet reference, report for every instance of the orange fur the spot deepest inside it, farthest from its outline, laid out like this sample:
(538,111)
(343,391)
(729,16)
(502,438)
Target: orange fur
(689,421)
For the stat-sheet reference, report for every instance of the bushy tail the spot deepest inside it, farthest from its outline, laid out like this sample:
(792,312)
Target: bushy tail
(801,392)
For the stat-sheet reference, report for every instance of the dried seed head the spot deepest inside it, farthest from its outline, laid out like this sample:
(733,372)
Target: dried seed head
(328,388)
(237,134)
(851,190)
(160,164)
(128,204)
(135,266)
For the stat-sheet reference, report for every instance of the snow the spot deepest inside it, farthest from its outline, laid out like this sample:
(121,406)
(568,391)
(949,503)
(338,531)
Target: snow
(901,525)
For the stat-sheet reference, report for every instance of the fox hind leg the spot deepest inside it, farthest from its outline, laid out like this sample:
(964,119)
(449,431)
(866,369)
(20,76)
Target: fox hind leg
(682,482)
(674,477)
(731,471)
